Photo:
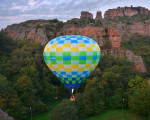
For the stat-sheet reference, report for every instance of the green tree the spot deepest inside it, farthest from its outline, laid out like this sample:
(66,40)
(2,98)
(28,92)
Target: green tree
(137,82)
(96,101)
(33,74)
(89,103)
(64,111)
(9,100)
(4,85)
(6,44)
(26,91)
(10,103)
(139,101)
(83,105)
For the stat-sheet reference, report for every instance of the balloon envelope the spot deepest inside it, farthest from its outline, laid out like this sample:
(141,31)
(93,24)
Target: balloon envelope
(72,58)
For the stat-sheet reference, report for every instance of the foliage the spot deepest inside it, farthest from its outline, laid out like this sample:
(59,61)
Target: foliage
(139,101)
(88,103)
(38,26)
(115,115)
(6,44)
(85,22)
(54,26)
(11,104)
(140,45)
(137,82)
(107,44)
(64,111)
(4,85)
(26,81)
(53,21)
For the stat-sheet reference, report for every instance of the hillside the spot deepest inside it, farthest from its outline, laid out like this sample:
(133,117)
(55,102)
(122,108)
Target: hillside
(120,81)
(117,25)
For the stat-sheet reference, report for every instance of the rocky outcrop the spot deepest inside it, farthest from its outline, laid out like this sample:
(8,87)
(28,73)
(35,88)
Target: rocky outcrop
(86,15)
(98,16)
(30,30)
(113,37)
(137,60)
(4,116)
(140,28)
(126,11)
(99,34)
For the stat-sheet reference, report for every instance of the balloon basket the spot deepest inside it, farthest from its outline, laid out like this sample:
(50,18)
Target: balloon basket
(72,98)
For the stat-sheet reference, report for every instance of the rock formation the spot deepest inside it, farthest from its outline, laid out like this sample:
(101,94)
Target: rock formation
(98,16)
(86,15)
(97,33)
(126,11)
(137,60)
(140,28)
(4,116)
(31,30)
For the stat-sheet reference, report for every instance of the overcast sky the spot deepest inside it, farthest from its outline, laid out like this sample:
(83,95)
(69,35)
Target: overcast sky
(15,11)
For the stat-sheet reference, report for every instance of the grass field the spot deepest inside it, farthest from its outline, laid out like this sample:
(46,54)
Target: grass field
(115,115)
(110,115)
(44,116)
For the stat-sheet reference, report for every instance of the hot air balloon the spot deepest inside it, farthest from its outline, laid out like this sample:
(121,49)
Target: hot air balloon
(72,58)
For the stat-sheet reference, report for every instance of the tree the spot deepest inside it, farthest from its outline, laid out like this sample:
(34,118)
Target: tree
(6,44)
(96,101)
(33,74)
(89,103)
(26,91)
(139,101)
(64,111)
(4,85)
(9,100)
(137,82)
(83,105)
(11,104)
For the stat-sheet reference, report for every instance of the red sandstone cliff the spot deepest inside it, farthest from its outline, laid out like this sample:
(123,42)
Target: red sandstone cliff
(98,16)
(97,33)
(126,11)
(86,15)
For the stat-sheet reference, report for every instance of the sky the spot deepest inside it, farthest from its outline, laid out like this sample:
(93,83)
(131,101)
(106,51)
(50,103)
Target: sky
(16,11)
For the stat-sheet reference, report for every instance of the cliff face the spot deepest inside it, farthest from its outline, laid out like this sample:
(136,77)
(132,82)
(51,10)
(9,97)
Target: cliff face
(99,34)
(28,30)
(126,11)
(86,15)
(140,28)
(4,116)
(98,16)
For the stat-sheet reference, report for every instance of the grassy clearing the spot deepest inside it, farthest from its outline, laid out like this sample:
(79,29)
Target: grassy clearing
(44,116)
(110,115)
(115,115)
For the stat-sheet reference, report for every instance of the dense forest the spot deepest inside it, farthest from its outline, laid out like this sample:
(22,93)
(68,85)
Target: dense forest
(26,81)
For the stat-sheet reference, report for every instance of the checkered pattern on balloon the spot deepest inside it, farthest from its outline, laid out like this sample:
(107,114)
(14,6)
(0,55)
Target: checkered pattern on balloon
(72,58)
